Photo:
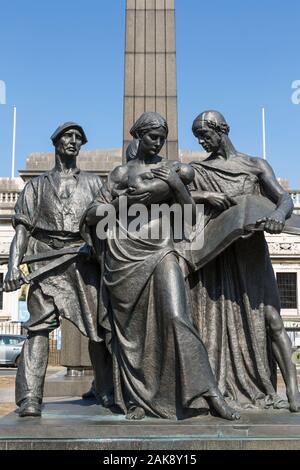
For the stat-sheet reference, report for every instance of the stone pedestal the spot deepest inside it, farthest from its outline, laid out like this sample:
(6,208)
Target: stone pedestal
(83,425)
(78,376)
(63,385)
(74,347)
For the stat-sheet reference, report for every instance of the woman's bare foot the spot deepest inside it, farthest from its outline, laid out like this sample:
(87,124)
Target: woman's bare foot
(280,403)
(135,412)
(221,408)
(294,400)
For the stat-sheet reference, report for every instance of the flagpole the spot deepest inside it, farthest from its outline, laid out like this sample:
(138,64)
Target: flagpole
(14,142)
(264,133)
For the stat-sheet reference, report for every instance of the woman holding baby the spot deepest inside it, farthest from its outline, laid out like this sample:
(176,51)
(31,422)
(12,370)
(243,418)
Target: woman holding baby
(160,365)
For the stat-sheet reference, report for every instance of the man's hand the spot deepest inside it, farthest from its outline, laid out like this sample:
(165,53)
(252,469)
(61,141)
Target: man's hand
(14,279)
(220,200)
(274,223)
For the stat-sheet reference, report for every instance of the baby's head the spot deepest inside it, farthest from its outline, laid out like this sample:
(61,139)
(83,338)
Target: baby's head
(186,173)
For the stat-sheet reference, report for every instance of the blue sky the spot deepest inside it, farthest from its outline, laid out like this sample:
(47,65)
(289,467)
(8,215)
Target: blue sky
(63,60)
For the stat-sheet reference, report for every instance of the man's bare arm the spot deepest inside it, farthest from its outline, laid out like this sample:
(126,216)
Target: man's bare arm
(15,278)
(274,191)
(275,222)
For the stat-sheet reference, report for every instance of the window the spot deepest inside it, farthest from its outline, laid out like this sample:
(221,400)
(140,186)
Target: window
(294,335)
(1,292)
(13,340)
(287,285)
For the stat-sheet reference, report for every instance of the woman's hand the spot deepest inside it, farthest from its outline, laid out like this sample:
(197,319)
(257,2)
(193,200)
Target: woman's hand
(168,175)
(274,223)
(220,200)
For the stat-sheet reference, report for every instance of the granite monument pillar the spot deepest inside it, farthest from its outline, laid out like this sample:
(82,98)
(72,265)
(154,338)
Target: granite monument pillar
(150,66)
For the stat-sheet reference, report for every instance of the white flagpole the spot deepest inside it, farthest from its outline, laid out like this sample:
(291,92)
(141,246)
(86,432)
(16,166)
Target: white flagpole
(14,143)
(264,133)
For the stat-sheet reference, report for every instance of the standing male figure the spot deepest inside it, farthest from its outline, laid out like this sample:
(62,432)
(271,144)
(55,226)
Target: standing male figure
(235,296)
(66,279)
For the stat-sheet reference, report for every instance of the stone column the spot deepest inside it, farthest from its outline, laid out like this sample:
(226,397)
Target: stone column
(74,349)
(150,66)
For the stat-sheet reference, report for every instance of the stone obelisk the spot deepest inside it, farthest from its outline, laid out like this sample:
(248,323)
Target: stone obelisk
(150,66)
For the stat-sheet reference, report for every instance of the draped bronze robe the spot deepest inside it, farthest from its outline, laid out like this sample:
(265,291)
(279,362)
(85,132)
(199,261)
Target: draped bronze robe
(159,360)
(230,292)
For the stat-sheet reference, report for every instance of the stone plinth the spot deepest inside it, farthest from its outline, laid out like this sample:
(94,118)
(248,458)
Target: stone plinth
(83,425)
(61,385)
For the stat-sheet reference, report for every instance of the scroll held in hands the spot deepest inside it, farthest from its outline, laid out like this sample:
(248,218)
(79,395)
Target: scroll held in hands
(238,221)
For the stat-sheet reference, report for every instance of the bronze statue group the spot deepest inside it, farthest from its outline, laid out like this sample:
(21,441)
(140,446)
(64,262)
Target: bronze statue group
(169,338)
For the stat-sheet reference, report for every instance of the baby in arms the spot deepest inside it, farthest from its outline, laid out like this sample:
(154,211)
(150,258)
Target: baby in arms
(131,178)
